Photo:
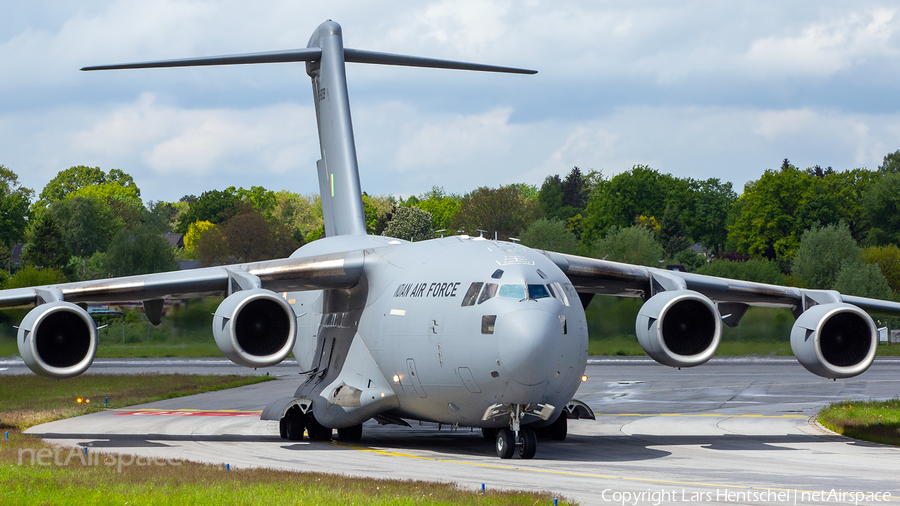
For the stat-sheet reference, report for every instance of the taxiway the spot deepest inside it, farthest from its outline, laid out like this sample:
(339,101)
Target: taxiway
(731,431)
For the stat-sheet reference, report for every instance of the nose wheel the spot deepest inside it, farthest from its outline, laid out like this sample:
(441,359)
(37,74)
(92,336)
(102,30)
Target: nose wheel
(508,443)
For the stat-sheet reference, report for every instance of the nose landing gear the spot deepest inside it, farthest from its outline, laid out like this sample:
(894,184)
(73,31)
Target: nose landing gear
(515,439)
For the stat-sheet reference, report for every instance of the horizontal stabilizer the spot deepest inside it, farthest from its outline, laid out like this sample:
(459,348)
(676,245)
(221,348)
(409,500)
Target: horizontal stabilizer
(290,55)
(312,54)
(362,56)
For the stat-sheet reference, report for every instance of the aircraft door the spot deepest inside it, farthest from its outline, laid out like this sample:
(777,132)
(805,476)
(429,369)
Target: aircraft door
(413,377)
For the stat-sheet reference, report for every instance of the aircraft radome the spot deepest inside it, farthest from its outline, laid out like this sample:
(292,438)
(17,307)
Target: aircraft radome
(459,330)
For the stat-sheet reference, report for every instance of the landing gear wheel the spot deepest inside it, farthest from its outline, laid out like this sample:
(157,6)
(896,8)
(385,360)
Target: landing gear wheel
(489,434)
(505,444)
(558,429)
(527,444)
(292,426)
(350,433)
(318,432)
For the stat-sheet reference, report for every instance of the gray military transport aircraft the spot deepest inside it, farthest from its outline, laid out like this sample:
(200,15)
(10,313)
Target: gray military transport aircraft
(460,330)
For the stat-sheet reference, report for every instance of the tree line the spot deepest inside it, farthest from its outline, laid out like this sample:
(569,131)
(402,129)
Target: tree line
(815,228)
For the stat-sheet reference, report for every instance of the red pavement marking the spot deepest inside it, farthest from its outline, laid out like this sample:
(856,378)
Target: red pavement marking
(190,413)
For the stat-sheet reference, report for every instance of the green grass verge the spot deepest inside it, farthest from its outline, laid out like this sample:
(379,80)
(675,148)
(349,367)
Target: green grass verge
(875,421)
(70,477)
(27,399)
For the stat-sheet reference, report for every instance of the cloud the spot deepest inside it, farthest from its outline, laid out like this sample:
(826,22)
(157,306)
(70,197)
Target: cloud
(699,89)
(824,48)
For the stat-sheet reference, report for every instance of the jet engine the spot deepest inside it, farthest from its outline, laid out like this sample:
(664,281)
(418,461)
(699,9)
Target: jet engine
(834,340)
(57,340)
(255,328)
(679,328)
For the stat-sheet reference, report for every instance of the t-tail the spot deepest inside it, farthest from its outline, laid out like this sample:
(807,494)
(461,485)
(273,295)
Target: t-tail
(325,56)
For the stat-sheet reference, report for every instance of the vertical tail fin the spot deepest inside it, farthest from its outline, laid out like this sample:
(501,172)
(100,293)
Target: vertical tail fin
(325,58)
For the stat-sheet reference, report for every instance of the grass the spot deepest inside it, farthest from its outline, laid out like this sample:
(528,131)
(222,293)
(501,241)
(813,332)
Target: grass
(70,477)
(27,399)
(875,421)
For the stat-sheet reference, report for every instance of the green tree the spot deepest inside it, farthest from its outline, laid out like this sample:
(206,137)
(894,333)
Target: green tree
(626,196)
(140,250)
(213,206)
(891,163)
(411,224)
(74,178)
(505,211)
(822,253)
(46,247)
(564,198)
(32,276)
(442,206)
(862,280)
(14,203)
(634,245)
(160,216)
(87,224)
(672,233)
(251,238)
(263,201)
(706,216)
(766,223)
(887,258)
(690,259)
(300,213)
(378,211)
(774,211)
(549,234)
(882,209)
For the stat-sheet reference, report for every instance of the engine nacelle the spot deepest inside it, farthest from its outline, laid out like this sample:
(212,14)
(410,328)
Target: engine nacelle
(58,340)
(679,328)
(255,328)
(834,340)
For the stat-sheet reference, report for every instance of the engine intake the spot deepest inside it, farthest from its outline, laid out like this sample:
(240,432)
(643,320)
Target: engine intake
(834,340)
(255,328)
(679,328)
(58,340)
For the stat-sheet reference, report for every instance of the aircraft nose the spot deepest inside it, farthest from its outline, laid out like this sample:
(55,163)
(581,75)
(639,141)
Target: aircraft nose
(527,343)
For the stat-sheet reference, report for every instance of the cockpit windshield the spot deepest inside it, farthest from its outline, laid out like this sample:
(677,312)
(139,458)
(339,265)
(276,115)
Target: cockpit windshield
(513,291)
(538,292)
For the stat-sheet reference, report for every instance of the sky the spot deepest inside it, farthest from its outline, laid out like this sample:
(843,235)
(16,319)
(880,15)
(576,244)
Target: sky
(700,89)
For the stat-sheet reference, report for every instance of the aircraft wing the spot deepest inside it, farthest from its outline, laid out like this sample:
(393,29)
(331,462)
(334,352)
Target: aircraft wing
(593,276)
(340,270)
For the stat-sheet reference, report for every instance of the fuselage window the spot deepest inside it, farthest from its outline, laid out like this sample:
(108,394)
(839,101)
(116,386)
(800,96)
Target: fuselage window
(472,294)
(538,292)
(541,274)
(562,323)
(497,274)
(490,291)
(487,323)
(513,291)
(556,290)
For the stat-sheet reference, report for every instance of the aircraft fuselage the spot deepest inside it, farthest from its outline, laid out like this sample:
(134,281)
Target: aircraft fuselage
(455,325)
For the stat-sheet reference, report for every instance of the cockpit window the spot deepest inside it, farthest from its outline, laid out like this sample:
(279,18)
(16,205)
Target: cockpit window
(556,290)
(513,291)
(471,294)
(538,292)
(490,291)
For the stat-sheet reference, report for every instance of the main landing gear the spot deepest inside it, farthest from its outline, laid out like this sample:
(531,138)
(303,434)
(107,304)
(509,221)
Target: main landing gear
(295,422)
